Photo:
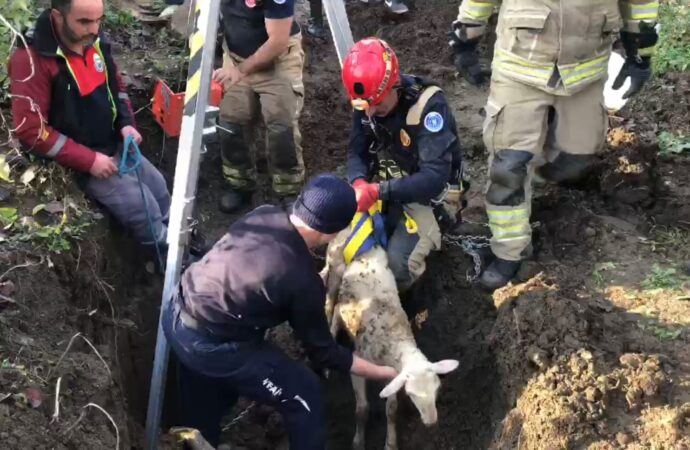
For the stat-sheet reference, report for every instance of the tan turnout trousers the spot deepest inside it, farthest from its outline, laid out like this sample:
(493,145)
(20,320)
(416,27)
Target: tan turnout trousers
(277,95)
(527,119)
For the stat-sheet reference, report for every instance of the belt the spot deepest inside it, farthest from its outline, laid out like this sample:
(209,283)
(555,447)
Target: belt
(219,332)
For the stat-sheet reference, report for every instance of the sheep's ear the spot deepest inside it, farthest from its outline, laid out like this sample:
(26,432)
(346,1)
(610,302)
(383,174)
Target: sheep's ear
(445,366)
(394,386)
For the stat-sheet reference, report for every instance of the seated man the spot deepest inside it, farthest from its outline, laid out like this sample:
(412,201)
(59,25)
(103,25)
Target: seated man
(403,131)
(69,104)
(257,276)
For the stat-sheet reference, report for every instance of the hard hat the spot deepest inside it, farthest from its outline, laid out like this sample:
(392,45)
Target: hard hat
(370,71)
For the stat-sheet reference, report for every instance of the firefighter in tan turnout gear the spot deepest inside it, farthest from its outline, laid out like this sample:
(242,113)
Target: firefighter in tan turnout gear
(545,109)
(262,74)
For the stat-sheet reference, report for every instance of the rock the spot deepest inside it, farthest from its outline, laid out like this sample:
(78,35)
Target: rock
(631,360)
(537,356)
(623,438)
(592,394)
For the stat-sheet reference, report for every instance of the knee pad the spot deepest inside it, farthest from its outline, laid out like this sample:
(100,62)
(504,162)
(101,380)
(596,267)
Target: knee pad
(281,145)
(507,177)
(567,167)
(231,137)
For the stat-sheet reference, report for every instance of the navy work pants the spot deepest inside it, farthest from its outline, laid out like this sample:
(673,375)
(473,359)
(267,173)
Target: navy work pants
(213,374)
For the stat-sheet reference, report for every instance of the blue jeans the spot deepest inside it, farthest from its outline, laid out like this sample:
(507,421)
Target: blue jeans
(212,374)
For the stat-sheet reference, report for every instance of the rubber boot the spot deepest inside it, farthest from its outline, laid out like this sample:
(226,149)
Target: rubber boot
(499,273)
(198,245)
(232,200)
(287,202)
(315,25)
(397,6)
(315,28)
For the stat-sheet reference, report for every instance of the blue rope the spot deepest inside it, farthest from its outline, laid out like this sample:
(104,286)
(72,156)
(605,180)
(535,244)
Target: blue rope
(132,152)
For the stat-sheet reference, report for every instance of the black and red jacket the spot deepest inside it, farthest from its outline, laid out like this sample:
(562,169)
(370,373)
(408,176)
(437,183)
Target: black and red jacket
(67,106)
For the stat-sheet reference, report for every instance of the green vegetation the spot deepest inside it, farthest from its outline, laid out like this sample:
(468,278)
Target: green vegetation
(599,268)
(19,14)
(663,278)
(119,20)
(673,144)
(673,51)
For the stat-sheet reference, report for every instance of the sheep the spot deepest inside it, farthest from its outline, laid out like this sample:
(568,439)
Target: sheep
(362,298)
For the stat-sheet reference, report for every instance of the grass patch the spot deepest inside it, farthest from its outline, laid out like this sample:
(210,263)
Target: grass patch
(117,20)
(673,50)
(672,144)
(663,278)
(598,272)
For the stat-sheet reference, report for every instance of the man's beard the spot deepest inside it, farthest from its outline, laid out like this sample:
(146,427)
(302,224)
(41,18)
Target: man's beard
(74,38)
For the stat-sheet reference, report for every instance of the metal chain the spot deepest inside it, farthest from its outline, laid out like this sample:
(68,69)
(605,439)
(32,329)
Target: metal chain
(240,416)
(470,245)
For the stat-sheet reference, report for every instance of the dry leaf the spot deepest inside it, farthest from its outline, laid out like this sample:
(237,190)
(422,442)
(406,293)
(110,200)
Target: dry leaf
(29,175)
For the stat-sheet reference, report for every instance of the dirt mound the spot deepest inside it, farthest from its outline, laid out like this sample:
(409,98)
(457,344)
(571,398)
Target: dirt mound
(565,363)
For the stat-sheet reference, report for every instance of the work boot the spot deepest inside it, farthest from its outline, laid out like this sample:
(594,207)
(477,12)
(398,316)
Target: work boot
(198,246)
(499,273)
(287,201)
(232,200)
(315,28)
(397,6)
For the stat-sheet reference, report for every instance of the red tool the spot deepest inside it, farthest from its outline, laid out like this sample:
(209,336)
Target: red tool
(168,106)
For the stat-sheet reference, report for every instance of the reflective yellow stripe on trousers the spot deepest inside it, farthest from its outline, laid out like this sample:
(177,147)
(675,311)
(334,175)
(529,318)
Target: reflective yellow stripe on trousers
(647,11)
(509,224)
(477,10)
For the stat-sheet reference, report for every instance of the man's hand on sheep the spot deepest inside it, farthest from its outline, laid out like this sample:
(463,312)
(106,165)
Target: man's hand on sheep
(367,194)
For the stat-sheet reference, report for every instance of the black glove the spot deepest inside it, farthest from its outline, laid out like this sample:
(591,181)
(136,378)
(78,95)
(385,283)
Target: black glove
(638,47)
(465,55)
(638,70)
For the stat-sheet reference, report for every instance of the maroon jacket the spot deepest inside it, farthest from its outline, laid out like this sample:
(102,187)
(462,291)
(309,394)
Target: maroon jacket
(71,105)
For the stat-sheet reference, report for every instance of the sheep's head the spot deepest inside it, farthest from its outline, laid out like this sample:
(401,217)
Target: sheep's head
(421,384)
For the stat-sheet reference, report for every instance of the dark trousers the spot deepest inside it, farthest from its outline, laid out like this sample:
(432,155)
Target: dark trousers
(212,375)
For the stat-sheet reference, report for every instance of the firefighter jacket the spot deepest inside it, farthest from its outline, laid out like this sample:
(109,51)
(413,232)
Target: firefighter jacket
(67,106)
(558,45)
(415,149)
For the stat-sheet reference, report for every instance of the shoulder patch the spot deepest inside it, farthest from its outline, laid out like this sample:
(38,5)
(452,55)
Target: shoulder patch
(433,122)
(279,2)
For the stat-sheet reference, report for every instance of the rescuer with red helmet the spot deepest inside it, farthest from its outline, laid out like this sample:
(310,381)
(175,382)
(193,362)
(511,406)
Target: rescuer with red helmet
(404,150)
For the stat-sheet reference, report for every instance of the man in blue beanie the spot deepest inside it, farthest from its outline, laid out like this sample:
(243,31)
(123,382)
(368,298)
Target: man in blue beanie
(257,276)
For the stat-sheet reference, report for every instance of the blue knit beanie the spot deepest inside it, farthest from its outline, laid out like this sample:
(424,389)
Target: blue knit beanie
(327,204)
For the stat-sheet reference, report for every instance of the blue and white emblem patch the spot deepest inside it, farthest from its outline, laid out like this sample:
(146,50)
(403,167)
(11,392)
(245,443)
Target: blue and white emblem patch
(279,2)
(433,122)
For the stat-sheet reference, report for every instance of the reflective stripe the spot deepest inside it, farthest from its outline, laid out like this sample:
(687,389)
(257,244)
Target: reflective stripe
(477,10)
(648,51)
(645,11)
(508,214)
(585,70)
(512,64)
(509,223)
(113,106)
(69,67)
(57,146)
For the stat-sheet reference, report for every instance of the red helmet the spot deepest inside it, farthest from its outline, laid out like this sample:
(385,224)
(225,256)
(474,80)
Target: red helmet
(370,71)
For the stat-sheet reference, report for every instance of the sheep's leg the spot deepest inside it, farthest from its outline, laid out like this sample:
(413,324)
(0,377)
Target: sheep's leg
(391,433)
(359,385)
(335,321)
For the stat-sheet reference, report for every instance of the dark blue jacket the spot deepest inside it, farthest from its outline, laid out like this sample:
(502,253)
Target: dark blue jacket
(259,275)
(428,152)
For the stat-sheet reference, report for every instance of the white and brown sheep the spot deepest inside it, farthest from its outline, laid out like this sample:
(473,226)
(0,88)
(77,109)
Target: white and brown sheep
(362,298)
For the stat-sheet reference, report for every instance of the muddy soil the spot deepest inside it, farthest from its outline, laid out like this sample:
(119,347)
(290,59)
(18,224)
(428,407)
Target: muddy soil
(581,352)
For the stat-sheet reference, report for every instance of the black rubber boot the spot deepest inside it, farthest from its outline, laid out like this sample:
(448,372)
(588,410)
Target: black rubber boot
(397,6)
(233,200)
(287,202)
(499,273)
(315,28)
(198,245)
